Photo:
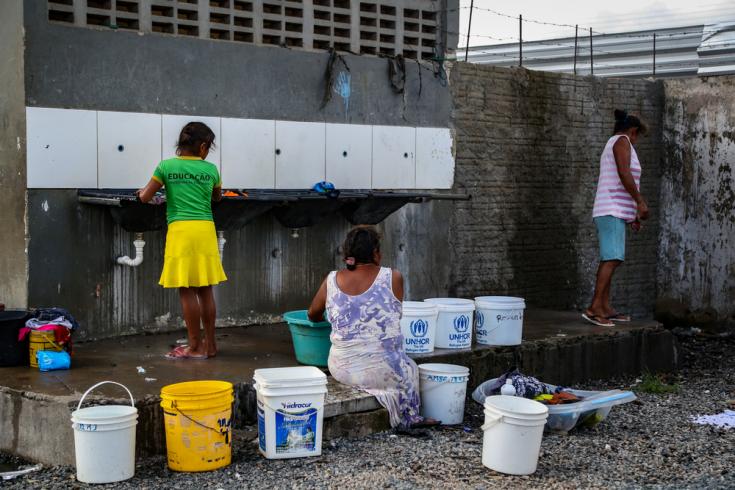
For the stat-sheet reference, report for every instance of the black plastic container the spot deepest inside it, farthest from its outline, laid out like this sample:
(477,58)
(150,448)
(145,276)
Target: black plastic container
(12,352)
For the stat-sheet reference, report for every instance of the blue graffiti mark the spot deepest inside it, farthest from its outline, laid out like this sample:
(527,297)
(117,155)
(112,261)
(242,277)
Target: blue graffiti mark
(343,89)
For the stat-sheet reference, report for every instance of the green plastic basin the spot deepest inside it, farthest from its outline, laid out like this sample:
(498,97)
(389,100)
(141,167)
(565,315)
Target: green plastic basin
(310,339)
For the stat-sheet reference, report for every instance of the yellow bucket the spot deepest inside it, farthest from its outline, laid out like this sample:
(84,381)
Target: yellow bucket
(40,340)
(198,419)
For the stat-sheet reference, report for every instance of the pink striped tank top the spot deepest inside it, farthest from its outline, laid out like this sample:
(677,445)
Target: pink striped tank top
(612,199)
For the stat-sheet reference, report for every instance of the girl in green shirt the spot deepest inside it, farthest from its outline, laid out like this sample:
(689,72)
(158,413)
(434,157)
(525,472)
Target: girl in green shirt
(191,260)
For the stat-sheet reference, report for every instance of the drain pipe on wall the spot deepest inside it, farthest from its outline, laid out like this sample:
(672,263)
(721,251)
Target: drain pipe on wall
(138,243)
(221,243)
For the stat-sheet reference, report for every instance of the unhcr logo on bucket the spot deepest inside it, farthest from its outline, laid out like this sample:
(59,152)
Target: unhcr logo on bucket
(462,337)
(480,324)
(419,328)
(419,340)
(462,323)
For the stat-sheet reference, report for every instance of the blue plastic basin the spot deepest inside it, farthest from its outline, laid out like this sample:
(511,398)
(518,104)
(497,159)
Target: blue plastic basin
(310,339)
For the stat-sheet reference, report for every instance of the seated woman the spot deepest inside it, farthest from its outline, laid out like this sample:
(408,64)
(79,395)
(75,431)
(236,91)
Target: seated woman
(363,304)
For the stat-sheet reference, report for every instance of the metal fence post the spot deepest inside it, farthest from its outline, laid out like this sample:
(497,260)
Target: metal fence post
(592,56)
(654,54)
(469,29)
(576,32)
(520,40)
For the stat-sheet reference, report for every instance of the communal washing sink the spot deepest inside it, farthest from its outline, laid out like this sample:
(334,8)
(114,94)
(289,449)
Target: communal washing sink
(309,207)
(231,213)
(292,208)
(125,208)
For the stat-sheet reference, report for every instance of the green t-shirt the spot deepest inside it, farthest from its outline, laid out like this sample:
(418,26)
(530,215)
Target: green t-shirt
(189,182)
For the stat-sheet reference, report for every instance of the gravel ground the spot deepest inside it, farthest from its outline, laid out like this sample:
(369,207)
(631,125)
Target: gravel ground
(648,443)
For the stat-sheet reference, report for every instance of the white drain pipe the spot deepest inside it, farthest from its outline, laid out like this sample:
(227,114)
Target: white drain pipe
(138,243)
(221,243)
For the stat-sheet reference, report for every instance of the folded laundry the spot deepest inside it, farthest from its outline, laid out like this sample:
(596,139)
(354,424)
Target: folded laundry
(56,320)
(526,386)
(55,316)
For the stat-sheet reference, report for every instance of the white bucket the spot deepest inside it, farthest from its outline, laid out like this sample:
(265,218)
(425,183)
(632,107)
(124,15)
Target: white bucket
(104,440)
(499,320)
(290,411)
(454,323)
(512,434)
(418,326)
(443,389)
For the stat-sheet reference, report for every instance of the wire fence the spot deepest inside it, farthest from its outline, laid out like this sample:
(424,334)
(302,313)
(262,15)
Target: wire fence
(582,48)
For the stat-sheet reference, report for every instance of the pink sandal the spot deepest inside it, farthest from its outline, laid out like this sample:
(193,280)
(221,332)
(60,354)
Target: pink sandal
(182,352)
(597,320)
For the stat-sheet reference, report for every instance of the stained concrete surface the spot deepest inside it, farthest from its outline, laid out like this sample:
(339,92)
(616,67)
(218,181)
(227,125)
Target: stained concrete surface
(34,406)
(241,351)
(13,256)
(696,278)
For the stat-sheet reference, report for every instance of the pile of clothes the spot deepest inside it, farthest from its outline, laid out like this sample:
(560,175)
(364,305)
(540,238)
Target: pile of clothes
(532,388)
(55,321)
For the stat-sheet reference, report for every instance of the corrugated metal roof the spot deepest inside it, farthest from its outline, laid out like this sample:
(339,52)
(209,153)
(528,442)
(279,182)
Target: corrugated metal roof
(681,51)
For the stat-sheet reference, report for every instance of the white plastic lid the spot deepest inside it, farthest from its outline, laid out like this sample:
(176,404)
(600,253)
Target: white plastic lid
(500,302)
(419,307)
(515,406)
(439,369)
(453,305)
(290,376)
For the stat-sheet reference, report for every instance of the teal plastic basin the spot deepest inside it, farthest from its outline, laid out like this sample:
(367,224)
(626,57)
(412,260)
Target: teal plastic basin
(310,339)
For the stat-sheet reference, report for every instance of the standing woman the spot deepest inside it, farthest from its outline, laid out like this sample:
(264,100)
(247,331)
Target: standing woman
(618,202)
(191,261)
(363,304)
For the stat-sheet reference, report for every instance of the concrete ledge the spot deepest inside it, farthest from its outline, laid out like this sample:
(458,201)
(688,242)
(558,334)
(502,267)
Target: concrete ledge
(35,424)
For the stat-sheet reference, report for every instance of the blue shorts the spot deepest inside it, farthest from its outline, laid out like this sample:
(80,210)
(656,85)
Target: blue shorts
(611,235)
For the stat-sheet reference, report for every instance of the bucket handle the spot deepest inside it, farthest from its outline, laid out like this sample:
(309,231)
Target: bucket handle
(132,402)
(50,341)
(491,421)
(220,432)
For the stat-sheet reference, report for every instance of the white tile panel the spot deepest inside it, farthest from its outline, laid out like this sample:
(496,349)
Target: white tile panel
(128,148)
(394,159)
(172,126)
(349,155)
(300,155)
(62,148)
(434,158)
(248,151)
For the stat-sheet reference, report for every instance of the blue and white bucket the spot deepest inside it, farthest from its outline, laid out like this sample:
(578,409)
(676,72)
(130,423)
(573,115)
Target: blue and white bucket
(418,326)
(290,403)
(499,320)
(454,323)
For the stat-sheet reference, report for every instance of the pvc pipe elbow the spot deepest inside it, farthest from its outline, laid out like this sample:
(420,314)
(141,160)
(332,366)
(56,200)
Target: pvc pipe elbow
(134,262)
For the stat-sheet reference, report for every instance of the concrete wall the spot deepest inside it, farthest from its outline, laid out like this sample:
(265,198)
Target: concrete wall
(528,150)
(72,246)
(83,68)
(696,277)
(13,258)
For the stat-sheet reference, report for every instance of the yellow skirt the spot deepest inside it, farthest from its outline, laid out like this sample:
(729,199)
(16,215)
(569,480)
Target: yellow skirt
(192,258)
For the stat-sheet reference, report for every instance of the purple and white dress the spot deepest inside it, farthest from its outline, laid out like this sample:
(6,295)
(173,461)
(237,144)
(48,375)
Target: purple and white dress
(367,347)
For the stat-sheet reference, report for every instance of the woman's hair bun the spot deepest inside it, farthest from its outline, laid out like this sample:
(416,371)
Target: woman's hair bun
(620,114)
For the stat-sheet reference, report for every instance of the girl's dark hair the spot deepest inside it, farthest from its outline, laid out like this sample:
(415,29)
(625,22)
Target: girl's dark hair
(624,121)
(360,244)
(192,136)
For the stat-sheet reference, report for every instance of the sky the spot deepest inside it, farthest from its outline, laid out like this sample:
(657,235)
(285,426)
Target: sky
(603,17)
